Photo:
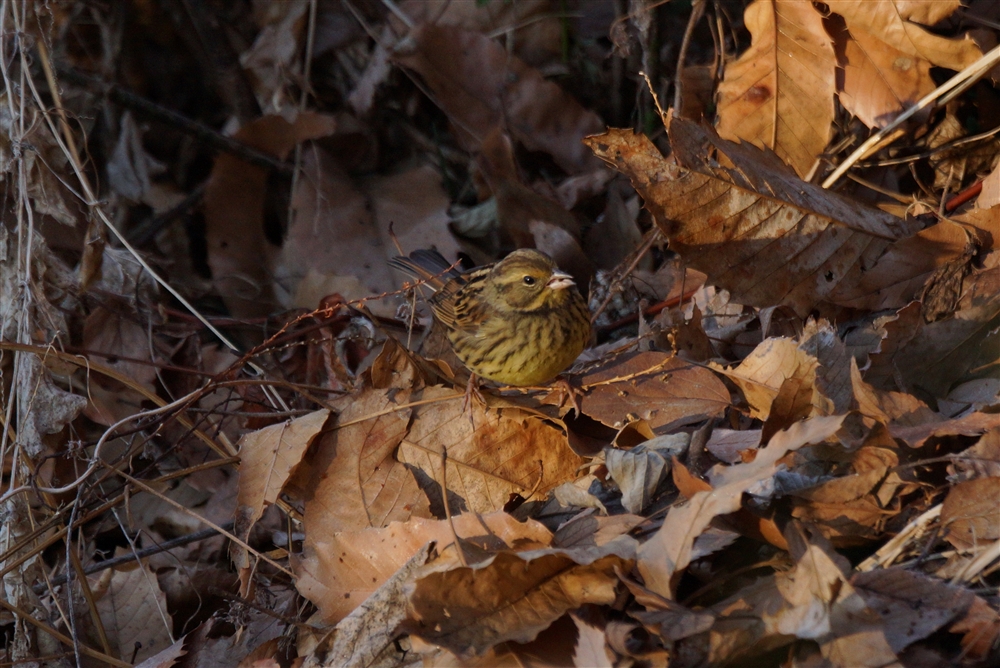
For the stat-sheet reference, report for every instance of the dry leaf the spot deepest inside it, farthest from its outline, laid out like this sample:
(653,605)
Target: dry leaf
(365,638)
(889,54)
(491,454)
(133,612)
(343,568)
(351,480)
(912,605)
(267,457)
(511,596)
(779,93)
(239,254)
(640,470)
(479,85)
(661,389)
(969,513)
(591,648)
(766,236)
(669,550)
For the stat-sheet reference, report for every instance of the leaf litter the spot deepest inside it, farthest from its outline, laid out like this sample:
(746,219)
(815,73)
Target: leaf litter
(232,436)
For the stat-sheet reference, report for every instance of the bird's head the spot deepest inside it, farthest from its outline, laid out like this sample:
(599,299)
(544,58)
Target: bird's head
(528,280)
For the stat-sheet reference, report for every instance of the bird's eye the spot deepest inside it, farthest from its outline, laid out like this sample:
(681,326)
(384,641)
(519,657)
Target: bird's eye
(528,280)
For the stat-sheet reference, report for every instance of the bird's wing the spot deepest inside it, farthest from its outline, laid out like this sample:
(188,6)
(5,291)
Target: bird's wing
(430,267)
(459,304)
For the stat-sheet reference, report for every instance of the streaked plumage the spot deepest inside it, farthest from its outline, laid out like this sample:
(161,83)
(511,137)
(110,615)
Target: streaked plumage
(519,321)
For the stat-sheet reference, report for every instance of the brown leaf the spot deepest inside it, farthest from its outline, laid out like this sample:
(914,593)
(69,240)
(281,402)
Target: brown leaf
(591,648)
(333,242)
(981,628)
(981,460)
(350,480)
(889,407)
(133,612)
(366,637)
(912,605)
(342,568)
(772,366)
(779,93)
(415,205)
(511,596)
(941,353)
(267,457)
(640,470)
(969,513)
(491,454)
(766,236)
(727,444)
(480,85)
(973,424)
(844,508)
(661,389)
(889,55)
(166,658)
(239,253)
(594,531)
(814,600)
(669,550)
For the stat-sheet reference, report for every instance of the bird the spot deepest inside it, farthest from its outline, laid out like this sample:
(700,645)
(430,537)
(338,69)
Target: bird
(520,321)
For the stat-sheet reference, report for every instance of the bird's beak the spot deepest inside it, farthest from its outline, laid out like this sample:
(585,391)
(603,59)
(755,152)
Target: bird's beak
(560,281)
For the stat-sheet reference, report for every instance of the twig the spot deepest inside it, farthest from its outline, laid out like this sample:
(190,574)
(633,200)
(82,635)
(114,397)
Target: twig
(64,639)
(697,11)
(140,554)
(654,236)
(147,229)
(200,131)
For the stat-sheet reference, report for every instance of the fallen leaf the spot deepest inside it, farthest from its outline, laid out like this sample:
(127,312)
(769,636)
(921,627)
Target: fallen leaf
(341,569)
(640,470)
(661,389)
(912,605)
(969,513)
(239,254)
(889,54)
(591,648)
(768,237)
(511,596)
(133,612)
(267,457)
(479,85)
(491,453)
(980,627)
(669,550)
(366,637)
(779,93)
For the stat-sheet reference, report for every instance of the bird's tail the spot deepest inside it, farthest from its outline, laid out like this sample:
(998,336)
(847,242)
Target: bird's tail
(427,265)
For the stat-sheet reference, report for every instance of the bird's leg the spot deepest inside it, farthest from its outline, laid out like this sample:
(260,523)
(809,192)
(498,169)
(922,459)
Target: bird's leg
(472,390)
(568,393)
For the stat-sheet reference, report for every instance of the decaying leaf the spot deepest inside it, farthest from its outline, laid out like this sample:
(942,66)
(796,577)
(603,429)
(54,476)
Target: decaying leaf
(670,550)
(267,457)
(766,236)
(490,454)
(779,93)
(510,596)
(661,389)
(342,568)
